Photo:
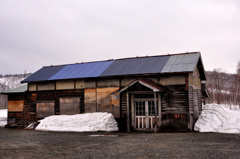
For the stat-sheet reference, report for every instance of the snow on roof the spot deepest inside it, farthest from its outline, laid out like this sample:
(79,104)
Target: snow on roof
(217,118)
(88,122)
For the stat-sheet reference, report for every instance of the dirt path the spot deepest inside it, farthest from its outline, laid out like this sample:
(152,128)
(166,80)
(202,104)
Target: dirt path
(35,144)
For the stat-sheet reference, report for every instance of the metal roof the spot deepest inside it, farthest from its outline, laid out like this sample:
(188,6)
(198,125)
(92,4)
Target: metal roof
(181,63)
(16,90)
(43,74)
(85,70)
(131,66)
(136,66)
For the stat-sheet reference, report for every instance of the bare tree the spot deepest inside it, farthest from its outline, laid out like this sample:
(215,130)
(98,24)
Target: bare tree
(219,77)
(237,100)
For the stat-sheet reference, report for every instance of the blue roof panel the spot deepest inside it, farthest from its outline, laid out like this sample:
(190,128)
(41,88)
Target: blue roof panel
(84,70)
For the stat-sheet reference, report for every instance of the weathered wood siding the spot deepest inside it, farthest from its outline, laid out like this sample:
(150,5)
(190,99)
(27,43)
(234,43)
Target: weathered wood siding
(65,85)
(172,80)
(15,106)
(41,102)
(106,102)
(45,109)
(90,100)
(69,105)
(17,115)
(175,107)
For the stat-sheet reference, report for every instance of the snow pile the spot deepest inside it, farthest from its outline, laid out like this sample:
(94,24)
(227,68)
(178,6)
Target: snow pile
(231,107)
(89,122)
(216,118)
(3,117)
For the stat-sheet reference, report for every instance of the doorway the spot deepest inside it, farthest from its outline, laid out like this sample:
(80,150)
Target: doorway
(144,110)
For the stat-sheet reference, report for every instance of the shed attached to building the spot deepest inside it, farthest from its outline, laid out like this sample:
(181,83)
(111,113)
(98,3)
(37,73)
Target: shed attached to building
(143,93)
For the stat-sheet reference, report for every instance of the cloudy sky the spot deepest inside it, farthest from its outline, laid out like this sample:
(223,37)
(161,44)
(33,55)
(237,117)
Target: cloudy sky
(36,33)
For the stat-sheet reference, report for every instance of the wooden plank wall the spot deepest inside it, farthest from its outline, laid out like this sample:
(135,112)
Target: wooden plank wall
(17,118)
(190,98)
(44,96)
(123,112)
(200,100)
(175,107)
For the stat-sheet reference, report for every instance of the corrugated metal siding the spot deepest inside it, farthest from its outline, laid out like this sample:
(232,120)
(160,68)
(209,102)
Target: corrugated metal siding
(136,66)
(94,69)
(43,74)
(181,63)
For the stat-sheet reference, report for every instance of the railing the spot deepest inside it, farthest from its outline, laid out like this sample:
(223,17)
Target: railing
(146,122)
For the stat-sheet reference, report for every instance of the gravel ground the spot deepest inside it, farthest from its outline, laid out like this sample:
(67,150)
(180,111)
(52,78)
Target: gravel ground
(26,144)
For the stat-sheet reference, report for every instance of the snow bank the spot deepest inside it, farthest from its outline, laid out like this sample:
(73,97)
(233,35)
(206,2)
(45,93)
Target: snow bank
(89,122)
(3,117)
(216,118)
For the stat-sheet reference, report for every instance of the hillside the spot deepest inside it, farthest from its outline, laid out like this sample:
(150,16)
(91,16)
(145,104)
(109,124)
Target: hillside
(8,82)
(223,87)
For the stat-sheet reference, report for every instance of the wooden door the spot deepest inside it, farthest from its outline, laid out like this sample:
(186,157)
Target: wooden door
(145,114)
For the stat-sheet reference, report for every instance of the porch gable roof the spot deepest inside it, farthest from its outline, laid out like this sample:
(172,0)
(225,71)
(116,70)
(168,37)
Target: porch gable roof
(154,87)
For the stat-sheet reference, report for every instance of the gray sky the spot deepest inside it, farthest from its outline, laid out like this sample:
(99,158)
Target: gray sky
(36,33)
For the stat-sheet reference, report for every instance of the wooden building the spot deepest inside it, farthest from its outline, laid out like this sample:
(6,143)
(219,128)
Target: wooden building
(143,93)
(15,105)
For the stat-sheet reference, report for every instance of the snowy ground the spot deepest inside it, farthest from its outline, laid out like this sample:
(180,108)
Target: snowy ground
(3,117)
(214,118)
(218,118)
(89,122)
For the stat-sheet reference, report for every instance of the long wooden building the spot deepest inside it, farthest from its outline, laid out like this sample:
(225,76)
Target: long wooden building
(143,93)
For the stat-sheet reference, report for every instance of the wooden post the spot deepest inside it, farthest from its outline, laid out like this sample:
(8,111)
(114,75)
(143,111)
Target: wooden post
(128,118)
(155,106)
(160,110)
(133,111)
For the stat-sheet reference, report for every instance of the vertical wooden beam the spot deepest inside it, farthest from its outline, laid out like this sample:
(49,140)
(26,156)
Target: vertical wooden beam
(128,118)
(75,84)
(160,109)
(96,86)
(36,87)
(133,111)
(155,106)
(187,82)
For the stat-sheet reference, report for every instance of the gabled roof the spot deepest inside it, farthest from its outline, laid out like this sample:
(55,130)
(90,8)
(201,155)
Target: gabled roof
(151,85)
(175,63)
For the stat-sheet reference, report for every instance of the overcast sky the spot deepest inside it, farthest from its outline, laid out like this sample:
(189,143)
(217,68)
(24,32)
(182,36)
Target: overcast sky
(36,33)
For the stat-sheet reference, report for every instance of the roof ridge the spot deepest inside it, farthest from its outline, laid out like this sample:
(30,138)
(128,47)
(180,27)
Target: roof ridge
(123,59)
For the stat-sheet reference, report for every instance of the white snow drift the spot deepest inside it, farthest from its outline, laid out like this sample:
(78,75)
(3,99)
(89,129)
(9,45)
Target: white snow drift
(89,122)
(217,118)
(3,117)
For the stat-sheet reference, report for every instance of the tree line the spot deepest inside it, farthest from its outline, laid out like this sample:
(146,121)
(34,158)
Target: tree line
(223,87)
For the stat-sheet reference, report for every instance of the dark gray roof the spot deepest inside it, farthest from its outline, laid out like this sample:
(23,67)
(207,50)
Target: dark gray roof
(131,66)
(44,74)
(146,65)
